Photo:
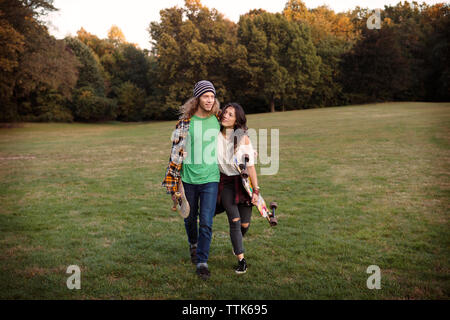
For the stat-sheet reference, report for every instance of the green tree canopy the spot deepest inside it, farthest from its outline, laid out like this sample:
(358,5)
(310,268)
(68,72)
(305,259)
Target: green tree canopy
(90,70)
(191,44)
(31,61)
(282,60)
(406,59)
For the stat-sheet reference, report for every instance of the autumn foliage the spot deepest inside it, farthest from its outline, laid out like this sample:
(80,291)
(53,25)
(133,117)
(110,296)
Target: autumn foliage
(298,58)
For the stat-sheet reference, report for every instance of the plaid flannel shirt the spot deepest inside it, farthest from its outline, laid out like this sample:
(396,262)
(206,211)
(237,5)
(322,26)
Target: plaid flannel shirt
(173,172)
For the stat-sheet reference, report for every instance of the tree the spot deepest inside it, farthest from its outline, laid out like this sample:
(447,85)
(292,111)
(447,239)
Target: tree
(375,69)
(328,91)
(90,70)
(115,36)
(131,64)
(49,105)
(32,63)
(48,70)
(103,50)
(131,102)
(12,45)
(199,46)
(333,35)
(101,47)
(435,21)
(46,64)
(407,59)
(296,10)
(87,106)
(90,102)
(282,61)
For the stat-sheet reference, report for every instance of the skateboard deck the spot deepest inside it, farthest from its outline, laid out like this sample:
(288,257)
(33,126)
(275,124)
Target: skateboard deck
(260,203)
(180,203)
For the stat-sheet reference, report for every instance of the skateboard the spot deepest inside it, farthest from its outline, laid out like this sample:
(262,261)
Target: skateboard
(180,202)
(260,204)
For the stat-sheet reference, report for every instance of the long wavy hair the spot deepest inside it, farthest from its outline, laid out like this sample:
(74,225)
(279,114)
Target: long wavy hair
(191,106)
(240,126)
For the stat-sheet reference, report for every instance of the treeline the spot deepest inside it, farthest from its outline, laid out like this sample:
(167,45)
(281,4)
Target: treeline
(299,58)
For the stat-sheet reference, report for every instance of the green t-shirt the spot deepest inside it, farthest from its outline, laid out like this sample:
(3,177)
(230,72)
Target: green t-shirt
(200,165)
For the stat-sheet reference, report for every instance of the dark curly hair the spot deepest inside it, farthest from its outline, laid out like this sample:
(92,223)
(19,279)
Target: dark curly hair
(240,126)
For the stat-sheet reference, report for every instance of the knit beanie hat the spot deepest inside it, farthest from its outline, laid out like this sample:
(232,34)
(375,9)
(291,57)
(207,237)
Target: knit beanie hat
(202,87)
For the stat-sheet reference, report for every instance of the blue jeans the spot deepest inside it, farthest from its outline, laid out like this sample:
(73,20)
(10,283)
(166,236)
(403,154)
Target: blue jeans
(207,194)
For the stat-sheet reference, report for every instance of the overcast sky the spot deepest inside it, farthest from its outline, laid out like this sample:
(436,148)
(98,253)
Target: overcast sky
(134,16)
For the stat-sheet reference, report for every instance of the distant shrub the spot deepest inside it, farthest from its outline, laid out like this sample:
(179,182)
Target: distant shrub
(86,106)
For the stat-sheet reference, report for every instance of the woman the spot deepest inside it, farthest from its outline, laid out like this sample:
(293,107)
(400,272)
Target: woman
(233,143)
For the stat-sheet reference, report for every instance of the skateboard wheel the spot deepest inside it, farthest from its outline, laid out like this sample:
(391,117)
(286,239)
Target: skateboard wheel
(273,221)
(273,205)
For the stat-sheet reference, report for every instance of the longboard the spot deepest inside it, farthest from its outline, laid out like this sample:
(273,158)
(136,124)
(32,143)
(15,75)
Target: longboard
(180,202)
(260,204)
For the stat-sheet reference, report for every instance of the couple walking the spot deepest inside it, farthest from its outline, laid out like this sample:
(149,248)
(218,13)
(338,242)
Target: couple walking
(204,144)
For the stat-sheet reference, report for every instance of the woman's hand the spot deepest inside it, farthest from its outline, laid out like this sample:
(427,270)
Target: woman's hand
(254,199)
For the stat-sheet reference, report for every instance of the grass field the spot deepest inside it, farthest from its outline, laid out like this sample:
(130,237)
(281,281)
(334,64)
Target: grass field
(357,186)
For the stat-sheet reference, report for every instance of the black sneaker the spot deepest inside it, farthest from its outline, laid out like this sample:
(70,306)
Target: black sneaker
(242,267)
(193,252)
(203,272)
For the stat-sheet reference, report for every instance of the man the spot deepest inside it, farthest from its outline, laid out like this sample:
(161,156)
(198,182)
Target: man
(193,160)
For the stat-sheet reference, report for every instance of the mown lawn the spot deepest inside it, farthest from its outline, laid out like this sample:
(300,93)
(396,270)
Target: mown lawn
(357,186)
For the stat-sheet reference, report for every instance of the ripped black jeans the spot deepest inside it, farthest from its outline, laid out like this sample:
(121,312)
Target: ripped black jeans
(240,212)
